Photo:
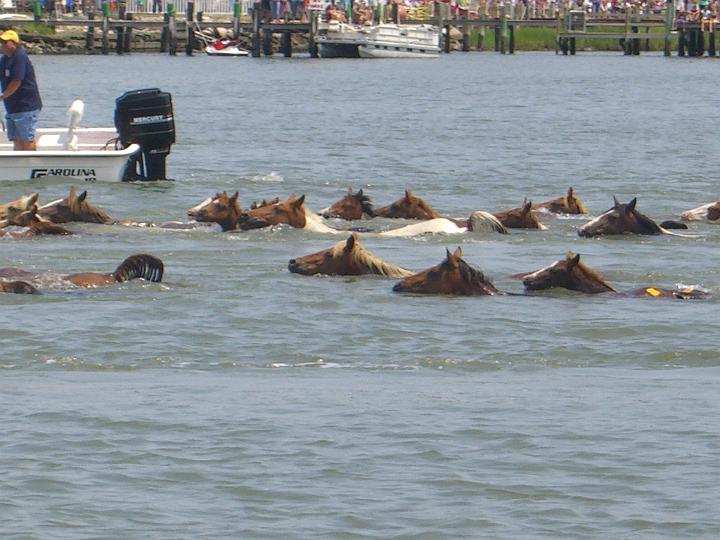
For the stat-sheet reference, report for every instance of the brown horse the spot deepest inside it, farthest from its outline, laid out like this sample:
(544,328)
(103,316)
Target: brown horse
(346,258)
(707,212)
(520,218)
(453,276)
(73,207)
(17,287)
(620,219)
(141,266)
(288,212)
(221,209)
(567,204)
(570,273)
(351,207)
(35,225)
(408,207)
(22,204)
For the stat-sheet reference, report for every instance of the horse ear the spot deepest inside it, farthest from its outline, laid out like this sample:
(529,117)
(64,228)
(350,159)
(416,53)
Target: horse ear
(631,204)
(350,243)
(82,196)
(350,191)
(234,198)
(408,193)
(360,193)
(527,205)
(299,202)
(574,261)
(616,203)
(570,193)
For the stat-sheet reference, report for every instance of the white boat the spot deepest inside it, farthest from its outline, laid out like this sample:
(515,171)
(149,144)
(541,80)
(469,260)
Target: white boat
(401,41)
(379,41)
(225,47)
(133,150)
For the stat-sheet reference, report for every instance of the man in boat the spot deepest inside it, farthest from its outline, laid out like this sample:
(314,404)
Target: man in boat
(19,92)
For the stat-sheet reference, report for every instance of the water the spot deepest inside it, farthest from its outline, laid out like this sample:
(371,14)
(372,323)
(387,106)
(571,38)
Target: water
(236,400)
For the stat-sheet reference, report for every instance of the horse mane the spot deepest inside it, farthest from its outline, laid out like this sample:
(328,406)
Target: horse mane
(365,258)
(481,221)
(142,266)
(365,203)
(647,223)
(470,274)
(591,274)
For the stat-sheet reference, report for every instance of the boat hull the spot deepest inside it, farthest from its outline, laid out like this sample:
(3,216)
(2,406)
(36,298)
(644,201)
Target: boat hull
(94,158)
(339,50)
(391,51)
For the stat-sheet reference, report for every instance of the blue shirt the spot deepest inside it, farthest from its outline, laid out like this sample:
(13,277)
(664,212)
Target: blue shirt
(19,68)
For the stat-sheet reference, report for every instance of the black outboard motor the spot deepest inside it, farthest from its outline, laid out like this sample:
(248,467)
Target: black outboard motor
(145,117)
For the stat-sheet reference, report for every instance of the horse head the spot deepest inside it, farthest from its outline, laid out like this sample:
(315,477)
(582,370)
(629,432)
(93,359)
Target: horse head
(620,219)
(22,204)
(352,206)
(408,207)
(568,273)
(288,212)
(74,207)
(452,276)
(35,223)
(221,209)
(17,287)
(520,218)
(346,258)
(567,204)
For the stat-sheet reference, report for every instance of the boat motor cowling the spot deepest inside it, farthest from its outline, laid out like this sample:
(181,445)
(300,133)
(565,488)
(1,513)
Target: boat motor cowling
(145,117)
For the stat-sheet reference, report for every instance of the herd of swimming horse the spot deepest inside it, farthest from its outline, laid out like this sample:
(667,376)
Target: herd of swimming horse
(24,218)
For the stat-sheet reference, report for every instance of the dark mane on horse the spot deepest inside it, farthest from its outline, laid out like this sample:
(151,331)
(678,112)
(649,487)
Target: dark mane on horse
(621,218)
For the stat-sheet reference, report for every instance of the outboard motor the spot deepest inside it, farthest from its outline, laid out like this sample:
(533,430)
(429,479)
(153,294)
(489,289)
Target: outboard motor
(145,117)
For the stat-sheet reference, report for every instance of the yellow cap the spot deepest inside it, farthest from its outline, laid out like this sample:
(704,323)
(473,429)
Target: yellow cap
(10,35)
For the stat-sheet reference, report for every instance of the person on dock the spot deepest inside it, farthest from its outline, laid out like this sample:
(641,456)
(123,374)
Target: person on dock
(19,92)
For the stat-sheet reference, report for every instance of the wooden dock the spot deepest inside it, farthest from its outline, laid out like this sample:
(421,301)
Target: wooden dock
(179,32)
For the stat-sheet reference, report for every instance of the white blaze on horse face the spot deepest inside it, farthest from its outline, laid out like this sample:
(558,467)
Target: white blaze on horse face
(195,209)
(50,204)
(538,272)
(592,222)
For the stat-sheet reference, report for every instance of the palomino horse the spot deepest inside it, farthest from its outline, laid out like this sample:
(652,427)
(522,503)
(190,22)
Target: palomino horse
(623,218)
(351,207)
(452,276)
(141,266)
(35,225)
(707,212)
(346,258)
(570,273)
(478,222)
(520,218)
(225,210)
(567,204)
(73,207)
(407,207)
(22,204)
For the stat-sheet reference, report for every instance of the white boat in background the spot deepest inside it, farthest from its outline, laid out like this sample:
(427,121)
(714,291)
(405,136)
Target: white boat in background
(225,47)
(401,41)
(379,41)
(135,149)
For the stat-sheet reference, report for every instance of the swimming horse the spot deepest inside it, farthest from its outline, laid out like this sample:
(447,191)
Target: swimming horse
(621,219)
(346,258)
(22,204)
(571,273)
(520,218)
(707,212)
(17,287)
(567,204)
(453,276)
(351,207)
(407,207)
(225,210)
(35,226)
(73,207)
(140,266)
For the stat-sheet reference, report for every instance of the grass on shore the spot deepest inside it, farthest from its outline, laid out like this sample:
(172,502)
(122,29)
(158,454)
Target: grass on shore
(543,39)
